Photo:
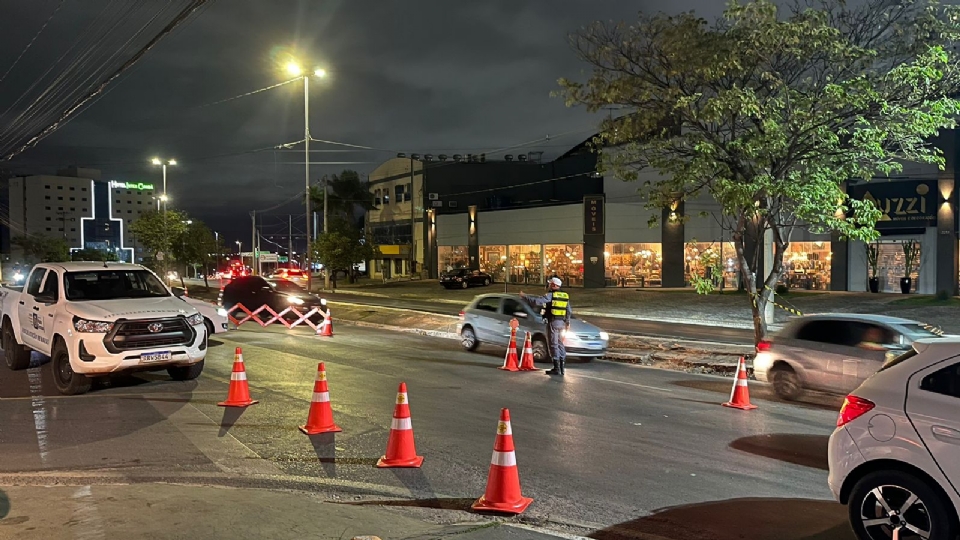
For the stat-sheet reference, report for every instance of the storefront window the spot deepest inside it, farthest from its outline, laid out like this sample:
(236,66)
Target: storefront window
(806,266)
(493,260)
(452,258)
(892,266)
(566,262)
(632,265)
(525,264)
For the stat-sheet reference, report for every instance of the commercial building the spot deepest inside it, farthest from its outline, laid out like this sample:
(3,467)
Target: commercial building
(81,208)
(525,221)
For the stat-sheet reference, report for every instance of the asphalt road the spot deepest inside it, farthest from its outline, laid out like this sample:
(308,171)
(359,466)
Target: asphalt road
(620,325)
(613,450)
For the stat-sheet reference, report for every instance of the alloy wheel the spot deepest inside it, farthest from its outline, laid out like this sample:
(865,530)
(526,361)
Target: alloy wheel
(888,508)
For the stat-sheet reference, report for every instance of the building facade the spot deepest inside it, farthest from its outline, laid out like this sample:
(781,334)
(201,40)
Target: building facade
(79,207)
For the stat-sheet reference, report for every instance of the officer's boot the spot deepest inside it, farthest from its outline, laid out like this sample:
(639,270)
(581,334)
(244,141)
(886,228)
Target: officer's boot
(561,364)
(556,369)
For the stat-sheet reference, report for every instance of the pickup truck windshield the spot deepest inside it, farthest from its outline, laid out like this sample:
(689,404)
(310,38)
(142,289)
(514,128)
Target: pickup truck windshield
(112,285)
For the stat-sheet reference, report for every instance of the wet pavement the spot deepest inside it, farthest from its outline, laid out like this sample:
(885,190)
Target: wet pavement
(611,451)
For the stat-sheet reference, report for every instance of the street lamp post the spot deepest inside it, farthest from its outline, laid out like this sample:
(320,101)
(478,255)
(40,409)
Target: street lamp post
(240,251)
(294,69)
(163,164)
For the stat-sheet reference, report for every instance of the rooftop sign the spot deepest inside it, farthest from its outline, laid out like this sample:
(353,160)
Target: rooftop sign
(130,185)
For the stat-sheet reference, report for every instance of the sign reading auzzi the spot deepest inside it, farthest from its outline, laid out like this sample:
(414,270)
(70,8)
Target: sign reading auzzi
(130,185)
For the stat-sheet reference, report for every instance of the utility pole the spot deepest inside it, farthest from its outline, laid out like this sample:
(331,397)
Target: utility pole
(413,221)
(306,172)
(290,241)
(326,273)
(253,243)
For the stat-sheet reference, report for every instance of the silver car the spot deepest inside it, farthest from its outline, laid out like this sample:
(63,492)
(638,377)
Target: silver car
(833,352)
(487,320)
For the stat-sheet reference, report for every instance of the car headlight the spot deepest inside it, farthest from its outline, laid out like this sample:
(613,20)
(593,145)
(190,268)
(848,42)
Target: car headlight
(222,312)
(92,327)
(604,336)
(295,300)
(195,320)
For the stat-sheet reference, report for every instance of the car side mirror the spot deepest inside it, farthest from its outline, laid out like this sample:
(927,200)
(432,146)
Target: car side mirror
(179,292)
(520,314)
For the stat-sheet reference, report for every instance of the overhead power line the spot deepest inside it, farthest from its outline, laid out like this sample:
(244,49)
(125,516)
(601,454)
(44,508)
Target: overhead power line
(30,44)
(184,14)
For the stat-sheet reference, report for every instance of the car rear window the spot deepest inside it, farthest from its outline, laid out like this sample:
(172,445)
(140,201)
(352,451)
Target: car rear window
(491,304)
(920,331)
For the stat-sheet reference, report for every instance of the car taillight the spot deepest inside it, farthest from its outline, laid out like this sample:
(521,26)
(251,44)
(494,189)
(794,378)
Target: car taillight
(462,316)
(764,345)
(853,407)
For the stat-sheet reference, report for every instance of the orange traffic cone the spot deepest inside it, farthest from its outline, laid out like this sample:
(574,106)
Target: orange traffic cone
(510,360)
(503,482)
(238,394)
(740,395)
(526,363)
(326,327)
(320,419)
(401,451)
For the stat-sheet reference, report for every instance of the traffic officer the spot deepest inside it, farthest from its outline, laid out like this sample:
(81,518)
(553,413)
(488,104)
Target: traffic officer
(557,303)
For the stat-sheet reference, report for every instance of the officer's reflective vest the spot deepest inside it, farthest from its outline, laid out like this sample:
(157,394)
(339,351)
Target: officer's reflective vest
(558,305)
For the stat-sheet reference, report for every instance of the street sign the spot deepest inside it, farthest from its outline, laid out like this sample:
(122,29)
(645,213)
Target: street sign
(268,257)
(283,259)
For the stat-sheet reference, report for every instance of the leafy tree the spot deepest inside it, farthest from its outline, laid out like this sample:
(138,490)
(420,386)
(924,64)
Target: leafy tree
(347,193)
(156,232)
(90,254)
(196,246)
(341,248)
(40,249)
(770,112)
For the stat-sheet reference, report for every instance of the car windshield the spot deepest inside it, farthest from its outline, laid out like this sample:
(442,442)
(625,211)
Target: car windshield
(283,285)
(112,285)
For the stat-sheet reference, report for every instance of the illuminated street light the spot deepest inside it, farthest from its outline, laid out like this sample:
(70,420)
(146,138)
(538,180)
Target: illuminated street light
(163,164)
(293,68)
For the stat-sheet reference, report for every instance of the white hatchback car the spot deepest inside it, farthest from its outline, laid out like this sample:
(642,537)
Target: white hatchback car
(895,455)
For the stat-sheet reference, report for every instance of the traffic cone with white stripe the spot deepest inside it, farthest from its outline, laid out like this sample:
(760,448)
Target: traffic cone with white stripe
(526,364)
(740,395)
(238,395)
(401,451)
(320,419)
(326,327)
(503,481)
(510,360)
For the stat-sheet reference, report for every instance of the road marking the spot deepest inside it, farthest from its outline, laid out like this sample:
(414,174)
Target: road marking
(95,395)
(86,517)
(638,385)
(39,412)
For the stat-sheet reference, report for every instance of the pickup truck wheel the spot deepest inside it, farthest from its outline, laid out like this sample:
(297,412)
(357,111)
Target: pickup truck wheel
(17,356)
(68,382)
(186,373)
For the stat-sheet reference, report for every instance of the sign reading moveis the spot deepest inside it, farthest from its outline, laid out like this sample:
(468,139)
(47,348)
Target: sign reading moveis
(903,203)
(130,185)
(593,222)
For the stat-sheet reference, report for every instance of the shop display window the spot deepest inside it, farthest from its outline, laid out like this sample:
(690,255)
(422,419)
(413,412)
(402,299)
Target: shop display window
(632,265)
(566,262)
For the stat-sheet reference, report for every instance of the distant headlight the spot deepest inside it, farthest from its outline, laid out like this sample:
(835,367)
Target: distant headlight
(195,320)
(222,312)
(92,327)
(18,277)
(604,336)
(295,300)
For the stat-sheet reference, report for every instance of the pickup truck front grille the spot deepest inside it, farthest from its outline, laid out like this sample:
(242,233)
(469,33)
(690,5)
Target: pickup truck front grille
(133,335)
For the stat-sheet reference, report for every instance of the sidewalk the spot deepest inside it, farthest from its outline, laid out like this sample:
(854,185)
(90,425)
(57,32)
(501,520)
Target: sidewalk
(729,308)
(170,511)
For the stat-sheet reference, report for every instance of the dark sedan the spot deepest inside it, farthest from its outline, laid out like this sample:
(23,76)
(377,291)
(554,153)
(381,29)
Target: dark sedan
(279,294)
(463,278)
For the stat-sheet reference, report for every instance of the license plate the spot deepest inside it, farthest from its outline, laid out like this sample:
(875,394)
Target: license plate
(161,356)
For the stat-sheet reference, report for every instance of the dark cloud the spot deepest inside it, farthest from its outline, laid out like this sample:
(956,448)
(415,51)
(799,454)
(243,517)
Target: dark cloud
(422,76)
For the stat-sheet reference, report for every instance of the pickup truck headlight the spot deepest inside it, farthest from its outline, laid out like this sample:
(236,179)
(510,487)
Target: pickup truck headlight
(296,300)
(195,320)
(222,312)
(604,336)
(92,327)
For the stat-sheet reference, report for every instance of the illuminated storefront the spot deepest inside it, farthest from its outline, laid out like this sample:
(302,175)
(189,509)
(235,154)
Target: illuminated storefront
(807,266)
(566,262)
(525,264)
(632,265)
(452,258)
(493,261)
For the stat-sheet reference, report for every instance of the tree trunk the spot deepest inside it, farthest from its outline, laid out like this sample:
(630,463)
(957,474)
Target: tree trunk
(748,280)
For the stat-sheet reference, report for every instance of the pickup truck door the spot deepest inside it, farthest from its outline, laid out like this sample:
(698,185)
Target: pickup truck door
(32,325)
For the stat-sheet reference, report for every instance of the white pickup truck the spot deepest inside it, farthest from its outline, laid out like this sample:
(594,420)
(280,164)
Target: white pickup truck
(97,319)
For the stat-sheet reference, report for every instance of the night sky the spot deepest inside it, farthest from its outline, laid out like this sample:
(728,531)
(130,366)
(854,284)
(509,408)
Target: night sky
(417,76)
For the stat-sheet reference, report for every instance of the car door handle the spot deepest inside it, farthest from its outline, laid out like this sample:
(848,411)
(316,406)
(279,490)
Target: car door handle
(36,308)
(21,303)
(945,434)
